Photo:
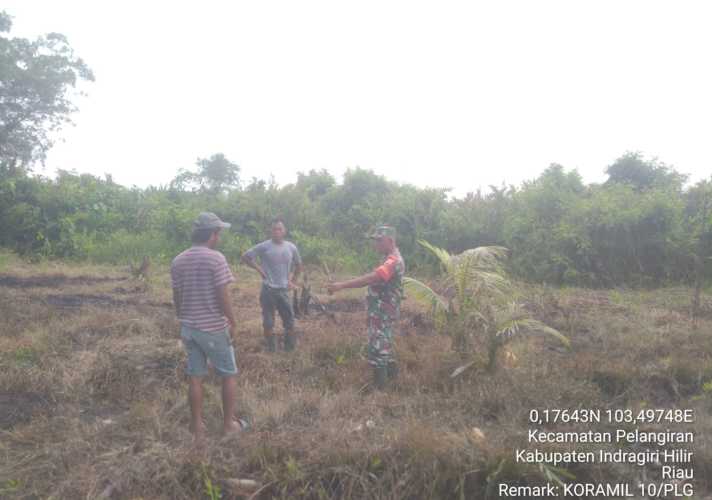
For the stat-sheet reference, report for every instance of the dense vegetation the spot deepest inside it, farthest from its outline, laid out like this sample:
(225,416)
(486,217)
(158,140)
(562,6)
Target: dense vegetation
(644,226)
(641,227)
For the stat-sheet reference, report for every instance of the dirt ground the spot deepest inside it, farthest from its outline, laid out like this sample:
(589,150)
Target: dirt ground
(93,404)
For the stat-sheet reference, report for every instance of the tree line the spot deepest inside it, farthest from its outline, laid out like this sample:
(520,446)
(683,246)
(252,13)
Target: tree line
(642,227)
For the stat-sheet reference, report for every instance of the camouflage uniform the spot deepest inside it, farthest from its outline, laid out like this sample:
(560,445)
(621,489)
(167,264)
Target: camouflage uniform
(383,301)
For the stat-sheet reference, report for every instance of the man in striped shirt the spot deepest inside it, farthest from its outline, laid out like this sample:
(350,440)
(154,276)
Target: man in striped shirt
(200,277)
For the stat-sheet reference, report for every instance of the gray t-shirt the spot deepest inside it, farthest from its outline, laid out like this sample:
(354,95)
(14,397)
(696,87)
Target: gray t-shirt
(277,261)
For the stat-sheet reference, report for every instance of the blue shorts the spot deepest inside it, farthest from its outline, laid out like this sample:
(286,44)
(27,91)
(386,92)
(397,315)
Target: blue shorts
(204,346)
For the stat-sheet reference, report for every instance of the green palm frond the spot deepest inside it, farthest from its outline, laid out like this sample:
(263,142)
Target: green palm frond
(479,270)
(425,294)
(483,259)
(443,256)
(491,281)
(487,257)
(514,326)
(477,300)
(478,316)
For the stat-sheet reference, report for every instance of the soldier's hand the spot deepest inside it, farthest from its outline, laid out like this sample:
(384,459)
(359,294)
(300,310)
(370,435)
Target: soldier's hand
(332,287)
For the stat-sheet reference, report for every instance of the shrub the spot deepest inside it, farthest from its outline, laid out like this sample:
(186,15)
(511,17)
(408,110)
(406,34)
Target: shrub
(125,247)
(318,251)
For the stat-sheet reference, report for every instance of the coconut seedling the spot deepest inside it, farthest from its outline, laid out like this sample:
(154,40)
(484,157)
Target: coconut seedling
(476,305)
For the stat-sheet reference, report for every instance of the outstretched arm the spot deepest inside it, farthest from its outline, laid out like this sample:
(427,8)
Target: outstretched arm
(360,282)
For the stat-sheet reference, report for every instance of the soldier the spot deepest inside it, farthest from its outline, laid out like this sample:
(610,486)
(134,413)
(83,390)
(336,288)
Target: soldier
(279,267)
(385,292)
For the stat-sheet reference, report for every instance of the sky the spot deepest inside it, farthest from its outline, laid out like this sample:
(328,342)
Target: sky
(440,93)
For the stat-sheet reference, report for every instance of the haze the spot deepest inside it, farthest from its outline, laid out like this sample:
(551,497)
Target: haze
(450,94)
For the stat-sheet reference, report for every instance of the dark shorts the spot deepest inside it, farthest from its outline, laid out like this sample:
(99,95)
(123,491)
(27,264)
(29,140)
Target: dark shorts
(204,346)
(276,299)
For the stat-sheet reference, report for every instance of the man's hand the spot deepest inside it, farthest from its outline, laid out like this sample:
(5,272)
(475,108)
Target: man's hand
(249,261)
(292,285)
(333,287)
(360,282)
(224,297)
(233,333)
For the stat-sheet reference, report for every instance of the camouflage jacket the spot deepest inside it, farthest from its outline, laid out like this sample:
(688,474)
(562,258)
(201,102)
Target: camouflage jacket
(384,297)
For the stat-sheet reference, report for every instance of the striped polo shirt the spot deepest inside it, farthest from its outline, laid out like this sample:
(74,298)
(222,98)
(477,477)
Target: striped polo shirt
(196,273)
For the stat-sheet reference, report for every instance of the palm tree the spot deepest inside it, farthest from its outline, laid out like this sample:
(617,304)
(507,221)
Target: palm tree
(476,304)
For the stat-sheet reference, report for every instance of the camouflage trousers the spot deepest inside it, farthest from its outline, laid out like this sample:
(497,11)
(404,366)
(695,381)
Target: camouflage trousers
(380,346)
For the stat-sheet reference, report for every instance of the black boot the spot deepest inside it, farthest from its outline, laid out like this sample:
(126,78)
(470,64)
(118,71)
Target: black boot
(380,375)
(392,370)
(290,341)
(270,343)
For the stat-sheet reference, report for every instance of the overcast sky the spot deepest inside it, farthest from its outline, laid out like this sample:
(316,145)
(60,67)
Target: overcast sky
(439,93)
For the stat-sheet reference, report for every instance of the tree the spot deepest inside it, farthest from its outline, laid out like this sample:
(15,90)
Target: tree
(215,175)
(531,229)
(35,82)
(315,183)
(699,222)
(477,306)
(633,170)
(357,204)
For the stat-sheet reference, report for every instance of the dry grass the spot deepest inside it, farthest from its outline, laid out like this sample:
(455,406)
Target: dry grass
(92,395)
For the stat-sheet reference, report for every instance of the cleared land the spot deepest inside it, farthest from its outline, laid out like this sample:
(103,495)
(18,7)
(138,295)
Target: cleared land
(92,395)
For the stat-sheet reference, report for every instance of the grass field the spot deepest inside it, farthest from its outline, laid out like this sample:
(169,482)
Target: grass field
(93,398)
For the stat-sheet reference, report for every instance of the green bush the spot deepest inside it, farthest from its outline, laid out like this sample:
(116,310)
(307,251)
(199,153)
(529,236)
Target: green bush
(126,247)
(318,250)
(641,227)
(233,245)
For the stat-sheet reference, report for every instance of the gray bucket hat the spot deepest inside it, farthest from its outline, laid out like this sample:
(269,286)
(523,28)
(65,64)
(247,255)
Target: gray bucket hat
(208,220)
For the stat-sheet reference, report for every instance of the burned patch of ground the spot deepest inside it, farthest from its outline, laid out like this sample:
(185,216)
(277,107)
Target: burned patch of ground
(52,281)
(21,407)
(91,411)
(79,300)
(130,290)
(346,305)
(416,322)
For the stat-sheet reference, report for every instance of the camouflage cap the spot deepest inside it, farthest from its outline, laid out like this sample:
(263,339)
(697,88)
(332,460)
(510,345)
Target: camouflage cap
(383,231)
(208,220)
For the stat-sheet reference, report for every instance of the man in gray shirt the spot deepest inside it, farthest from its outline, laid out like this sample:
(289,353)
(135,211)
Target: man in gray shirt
(279,265)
